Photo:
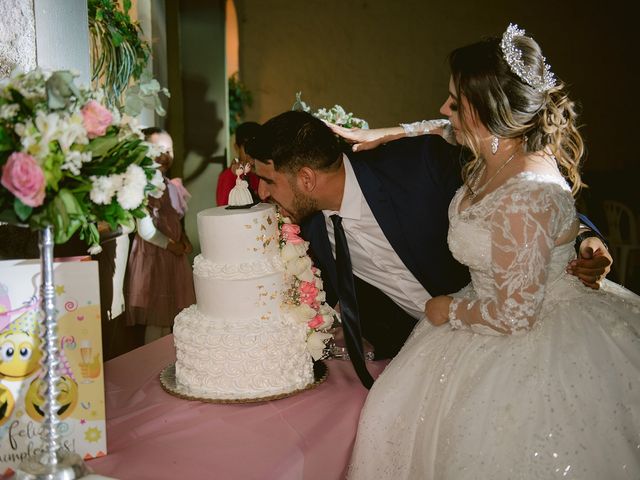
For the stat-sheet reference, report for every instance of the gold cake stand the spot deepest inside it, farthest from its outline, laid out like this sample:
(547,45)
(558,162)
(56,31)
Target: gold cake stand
(169,385)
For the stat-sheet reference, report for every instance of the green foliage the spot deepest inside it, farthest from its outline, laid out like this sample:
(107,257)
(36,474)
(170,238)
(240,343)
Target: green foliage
(239,98)
(118,53)
(54,156)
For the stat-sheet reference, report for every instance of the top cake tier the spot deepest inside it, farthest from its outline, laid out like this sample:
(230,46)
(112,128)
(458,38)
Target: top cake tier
(234,236)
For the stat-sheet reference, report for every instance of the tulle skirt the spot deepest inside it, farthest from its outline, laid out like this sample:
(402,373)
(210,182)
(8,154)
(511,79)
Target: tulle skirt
(561,401)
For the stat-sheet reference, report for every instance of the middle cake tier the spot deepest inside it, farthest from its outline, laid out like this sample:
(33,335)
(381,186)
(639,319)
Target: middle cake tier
(239,291)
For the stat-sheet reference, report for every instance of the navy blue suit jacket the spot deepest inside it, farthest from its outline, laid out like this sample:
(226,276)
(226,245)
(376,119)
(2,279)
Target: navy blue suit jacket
(408,185)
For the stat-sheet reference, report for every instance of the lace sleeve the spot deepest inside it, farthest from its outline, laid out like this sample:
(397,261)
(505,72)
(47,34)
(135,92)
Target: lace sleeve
(423,127)
(524,225)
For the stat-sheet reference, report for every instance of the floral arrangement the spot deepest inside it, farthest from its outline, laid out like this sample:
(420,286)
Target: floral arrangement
(336,114)
(305,299)
(69,161)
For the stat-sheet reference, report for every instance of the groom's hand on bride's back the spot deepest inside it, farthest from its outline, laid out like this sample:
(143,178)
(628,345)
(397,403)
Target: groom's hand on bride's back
(593,263)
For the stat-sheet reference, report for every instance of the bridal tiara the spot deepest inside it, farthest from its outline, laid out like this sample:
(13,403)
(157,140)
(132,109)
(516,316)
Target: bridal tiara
(513,57)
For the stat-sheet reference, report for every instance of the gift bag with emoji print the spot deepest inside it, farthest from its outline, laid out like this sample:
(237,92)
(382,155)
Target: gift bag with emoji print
(81,412)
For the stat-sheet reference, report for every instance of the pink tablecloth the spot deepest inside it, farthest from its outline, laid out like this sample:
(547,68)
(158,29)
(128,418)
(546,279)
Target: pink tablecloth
(153,435)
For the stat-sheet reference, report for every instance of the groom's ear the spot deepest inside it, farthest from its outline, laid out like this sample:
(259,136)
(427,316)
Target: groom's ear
(307,179)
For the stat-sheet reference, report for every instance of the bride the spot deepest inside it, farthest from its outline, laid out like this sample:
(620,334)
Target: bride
(535,375)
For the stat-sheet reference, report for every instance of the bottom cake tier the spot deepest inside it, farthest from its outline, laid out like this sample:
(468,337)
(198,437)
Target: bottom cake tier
(221,359)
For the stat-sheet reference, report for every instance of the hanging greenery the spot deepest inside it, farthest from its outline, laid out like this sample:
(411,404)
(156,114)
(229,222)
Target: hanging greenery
(239,98)
(118,52)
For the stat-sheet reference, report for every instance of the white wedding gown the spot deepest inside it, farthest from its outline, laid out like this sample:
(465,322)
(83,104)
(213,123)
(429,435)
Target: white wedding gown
(558,399)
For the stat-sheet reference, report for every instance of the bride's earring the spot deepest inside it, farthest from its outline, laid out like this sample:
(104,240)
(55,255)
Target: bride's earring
(495,143)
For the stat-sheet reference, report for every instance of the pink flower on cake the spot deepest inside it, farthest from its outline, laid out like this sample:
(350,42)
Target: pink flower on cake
(308,293)
(96,119)
(290,233)
(316,322)
(23,177)
(305,299)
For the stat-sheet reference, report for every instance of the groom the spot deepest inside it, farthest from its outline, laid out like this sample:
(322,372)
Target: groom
(389,204)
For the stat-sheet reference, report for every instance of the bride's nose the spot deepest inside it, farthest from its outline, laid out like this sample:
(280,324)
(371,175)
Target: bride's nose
(445,109)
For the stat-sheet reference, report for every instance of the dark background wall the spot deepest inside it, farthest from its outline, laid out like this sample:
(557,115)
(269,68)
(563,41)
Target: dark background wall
(386,60)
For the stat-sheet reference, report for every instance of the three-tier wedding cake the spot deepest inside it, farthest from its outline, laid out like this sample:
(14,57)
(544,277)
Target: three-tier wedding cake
(243,340)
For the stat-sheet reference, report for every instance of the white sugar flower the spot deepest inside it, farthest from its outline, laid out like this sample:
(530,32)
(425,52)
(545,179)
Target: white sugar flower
(316,342)
(293,251)
(104,188)
(328,315)
(321,297)
(303,313)
(300,268)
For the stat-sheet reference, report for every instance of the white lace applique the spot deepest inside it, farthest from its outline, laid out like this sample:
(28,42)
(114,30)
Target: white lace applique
(423,127)
(522,221)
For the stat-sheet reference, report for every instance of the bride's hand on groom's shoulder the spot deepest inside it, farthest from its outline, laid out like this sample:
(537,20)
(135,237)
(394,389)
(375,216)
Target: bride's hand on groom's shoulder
(437,309)
(366,138)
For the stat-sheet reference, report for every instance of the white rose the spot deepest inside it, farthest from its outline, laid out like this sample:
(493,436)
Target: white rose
(316,342)
(303,313)
(328,315)
(300,268)
(321,297)
(291,252)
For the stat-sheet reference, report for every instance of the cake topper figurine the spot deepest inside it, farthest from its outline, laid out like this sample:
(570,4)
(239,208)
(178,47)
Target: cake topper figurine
(240,196)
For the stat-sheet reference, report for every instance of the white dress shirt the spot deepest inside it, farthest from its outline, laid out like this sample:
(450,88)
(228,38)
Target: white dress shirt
(372,257)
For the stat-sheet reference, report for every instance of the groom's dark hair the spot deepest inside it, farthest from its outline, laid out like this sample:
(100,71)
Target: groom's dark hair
(294,140)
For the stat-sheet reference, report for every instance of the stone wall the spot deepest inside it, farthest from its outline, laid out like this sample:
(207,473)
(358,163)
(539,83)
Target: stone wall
(17,36)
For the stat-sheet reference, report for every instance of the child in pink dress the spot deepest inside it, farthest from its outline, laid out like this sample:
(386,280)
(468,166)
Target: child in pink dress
(159,276)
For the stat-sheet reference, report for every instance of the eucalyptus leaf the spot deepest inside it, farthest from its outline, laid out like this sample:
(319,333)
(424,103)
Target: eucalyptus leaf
(60,89)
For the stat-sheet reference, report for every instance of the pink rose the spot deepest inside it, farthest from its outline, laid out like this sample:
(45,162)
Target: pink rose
(96,119)
(315,322)
(23,177)
(308,293)
(290,233)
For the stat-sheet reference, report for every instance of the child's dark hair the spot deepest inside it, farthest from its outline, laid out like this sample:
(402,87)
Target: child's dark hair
(152,131)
